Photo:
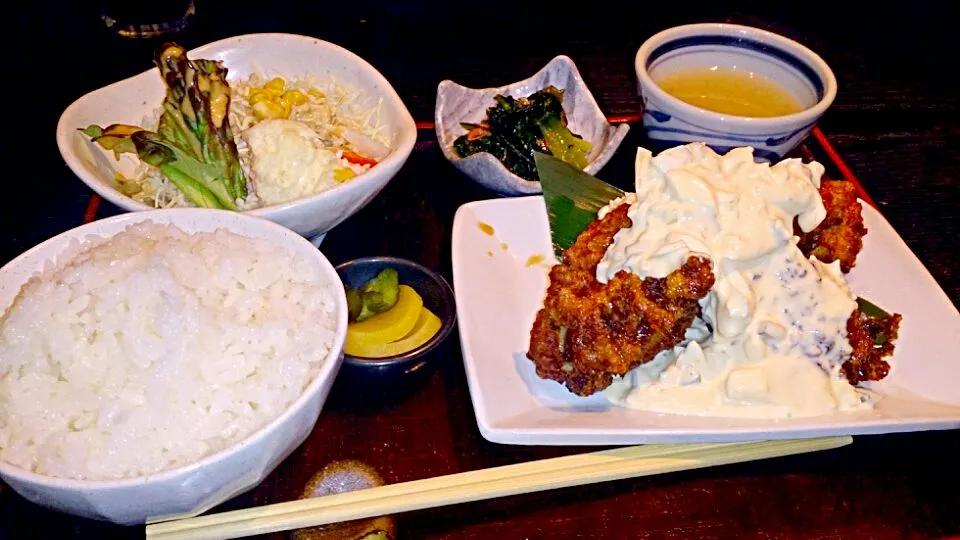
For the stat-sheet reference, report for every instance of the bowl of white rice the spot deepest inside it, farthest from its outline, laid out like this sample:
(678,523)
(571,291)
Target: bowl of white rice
(156,364)
(297,170)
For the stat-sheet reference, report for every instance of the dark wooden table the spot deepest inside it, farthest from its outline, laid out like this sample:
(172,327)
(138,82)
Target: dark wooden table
(895,121)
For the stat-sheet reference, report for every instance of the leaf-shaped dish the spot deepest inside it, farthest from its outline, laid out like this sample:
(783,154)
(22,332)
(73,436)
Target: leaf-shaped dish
(456,104)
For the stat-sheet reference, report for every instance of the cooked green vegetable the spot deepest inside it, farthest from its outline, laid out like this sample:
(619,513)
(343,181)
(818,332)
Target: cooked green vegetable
(516,128)
(354,303)
(193,145)
(376,296)
(386,287)
(875,312)
(870,309)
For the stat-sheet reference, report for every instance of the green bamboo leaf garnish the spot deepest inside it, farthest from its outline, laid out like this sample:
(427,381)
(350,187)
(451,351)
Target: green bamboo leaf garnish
(572,197)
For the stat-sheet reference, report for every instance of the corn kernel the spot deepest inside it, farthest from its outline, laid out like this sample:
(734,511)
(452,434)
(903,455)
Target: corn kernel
(294,96)
(285,105)
(343,174)
(267,109)
(275,86)
(257,96)
(316,93)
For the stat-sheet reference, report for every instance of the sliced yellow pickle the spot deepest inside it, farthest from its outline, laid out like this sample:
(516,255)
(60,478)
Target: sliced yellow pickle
(426,327)
(385,327)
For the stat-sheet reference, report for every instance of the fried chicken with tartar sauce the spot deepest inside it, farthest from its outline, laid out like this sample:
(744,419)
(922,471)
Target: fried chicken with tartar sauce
(588,332)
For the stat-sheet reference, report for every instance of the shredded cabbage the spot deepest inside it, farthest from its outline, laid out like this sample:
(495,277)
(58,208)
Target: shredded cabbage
(342,117)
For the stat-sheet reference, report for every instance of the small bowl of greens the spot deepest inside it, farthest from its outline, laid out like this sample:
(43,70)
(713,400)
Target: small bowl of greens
(491,134)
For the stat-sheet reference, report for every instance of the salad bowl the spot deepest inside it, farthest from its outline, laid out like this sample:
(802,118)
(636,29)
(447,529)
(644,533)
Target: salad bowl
(132,100)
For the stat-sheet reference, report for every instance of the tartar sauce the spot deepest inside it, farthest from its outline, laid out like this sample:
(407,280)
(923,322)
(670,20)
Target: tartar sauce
(773,332)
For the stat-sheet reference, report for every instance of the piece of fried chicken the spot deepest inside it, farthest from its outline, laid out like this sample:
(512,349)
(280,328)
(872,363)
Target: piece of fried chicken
(840,235)
(872,339)
(587,331)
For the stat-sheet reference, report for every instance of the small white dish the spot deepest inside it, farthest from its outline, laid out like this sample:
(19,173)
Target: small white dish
(191,489)
(456,104)
(131,100)
(797,69)
(499,292)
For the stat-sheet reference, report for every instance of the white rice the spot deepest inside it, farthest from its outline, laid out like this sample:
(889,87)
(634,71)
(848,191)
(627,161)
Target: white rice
(155,348)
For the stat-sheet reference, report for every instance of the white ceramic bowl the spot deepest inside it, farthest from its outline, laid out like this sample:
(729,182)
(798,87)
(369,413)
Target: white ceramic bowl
(456,103)
(794,67)
(130,100)
(194,488)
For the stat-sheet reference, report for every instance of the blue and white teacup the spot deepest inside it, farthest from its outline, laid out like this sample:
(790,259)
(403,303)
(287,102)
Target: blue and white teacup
(796,69)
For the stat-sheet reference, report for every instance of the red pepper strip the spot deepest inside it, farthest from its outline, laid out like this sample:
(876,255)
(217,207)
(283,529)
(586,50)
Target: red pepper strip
(357,159)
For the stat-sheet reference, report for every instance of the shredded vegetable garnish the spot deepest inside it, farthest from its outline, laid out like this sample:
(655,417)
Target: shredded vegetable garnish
(344,122)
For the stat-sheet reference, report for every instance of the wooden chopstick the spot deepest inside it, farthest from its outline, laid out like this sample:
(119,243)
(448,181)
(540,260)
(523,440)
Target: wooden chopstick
(480,485)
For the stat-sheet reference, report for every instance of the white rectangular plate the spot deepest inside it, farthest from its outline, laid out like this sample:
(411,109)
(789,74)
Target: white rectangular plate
(498,294)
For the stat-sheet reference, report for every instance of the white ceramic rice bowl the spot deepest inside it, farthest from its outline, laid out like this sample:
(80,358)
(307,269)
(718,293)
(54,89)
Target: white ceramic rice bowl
(194,488)
(130,100)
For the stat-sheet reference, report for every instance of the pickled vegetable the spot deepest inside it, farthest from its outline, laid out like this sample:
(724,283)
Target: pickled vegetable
(376,296)
(388,326)
(426,326)
(382,290)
